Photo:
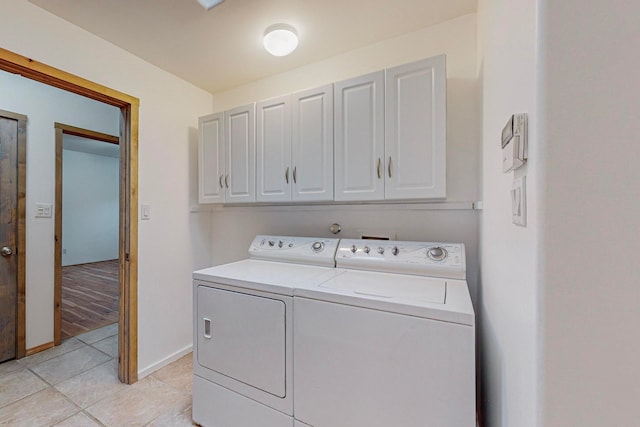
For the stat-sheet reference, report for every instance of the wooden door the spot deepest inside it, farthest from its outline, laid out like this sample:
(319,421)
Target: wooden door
(273,143)
(415,130)
(359,138)
(312,144)
(12,129)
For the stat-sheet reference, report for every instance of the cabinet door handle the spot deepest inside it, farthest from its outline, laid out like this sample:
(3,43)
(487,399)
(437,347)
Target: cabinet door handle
(220,181)
(286,175)
(226,180)
(379,168)
(207,328)
(390,167)
(295,175)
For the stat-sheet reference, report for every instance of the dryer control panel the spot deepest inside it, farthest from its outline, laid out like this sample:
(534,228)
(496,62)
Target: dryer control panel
(445,260)
(303,250)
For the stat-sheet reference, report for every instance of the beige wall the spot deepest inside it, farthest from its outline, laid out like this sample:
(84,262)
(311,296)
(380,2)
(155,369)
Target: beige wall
(508,305)
(174,242)
(591,237)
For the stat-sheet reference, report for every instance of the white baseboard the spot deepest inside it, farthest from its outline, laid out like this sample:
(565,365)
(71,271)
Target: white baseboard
(164,362)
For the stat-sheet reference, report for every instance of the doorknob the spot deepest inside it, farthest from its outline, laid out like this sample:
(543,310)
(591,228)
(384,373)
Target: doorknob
(6,251)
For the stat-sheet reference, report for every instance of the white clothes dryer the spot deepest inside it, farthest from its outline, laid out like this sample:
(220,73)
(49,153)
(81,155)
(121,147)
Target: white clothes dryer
(243,331)
(389,340)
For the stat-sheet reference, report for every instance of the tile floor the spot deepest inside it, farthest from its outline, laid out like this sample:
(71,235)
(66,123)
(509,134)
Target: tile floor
(76,384)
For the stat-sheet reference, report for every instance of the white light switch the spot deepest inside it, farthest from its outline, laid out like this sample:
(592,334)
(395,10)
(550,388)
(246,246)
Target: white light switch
(145,212)
(44,210)
(519,202)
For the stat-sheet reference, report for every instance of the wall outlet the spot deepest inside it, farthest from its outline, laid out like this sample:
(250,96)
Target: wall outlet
(44,210)
(519,202)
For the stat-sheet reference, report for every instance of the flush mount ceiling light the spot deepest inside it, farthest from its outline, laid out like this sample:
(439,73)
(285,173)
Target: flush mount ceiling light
(280,39)
(209,4)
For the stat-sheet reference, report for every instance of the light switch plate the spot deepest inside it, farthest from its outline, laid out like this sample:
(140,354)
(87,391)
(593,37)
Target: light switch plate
(145,212)
(519,202)
(44,210)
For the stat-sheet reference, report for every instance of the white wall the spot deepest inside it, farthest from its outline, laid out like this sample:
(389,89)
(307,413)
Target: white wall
(174,242)
(591,237)
(233,228)
(508,303)
(90,206)
(45,105)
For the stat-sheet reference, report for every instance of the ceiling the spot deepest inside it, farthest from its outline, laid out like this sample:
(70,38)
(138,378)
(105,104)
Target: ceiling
(222,48)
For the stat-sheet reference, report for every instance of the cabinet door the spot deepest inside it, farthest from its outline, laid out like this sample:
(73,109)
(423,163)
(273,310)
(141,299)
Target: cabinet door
(211,159)
(359,138)
(273,141)
(415,130)
(240,154)
(312,144)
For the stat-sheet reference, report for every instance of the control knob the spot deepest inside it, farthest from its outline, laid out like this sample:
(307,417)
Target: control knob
(366,249)
(380,250)
(437,253)
(271,243)
(280,243)
(353,248)
(395,251)
(317,246)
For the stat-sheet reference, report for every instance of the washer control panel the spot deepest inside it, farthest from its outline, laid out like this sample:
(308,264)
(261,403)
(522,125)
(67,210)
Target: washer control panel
(420,258)
(304,250)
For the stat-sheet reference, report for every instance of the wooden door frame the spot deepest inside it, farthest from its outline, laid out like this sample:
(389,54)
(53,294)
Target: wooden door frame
(61,130)
(128,245)
(21,344)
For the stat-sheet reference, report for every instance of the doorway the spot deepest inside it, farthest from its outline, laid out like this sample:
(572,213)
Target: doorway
(128,224)
(86,231)
(13,143)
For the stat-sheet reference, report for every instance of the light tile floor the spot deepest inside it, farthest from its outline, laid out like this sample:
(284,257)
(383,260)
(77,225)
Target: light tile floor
(76,384)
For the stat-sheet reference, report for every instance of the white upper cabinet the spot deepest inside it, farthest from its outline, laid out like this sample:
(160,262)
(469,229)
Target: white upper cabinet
(211,174)
(415,130)
(273,141)
(359,138)
(240,154)
(312,144)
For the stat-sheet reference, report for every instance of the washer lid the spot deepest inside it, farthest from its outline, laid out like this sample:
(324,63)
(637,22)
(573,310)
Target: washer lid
(428,297)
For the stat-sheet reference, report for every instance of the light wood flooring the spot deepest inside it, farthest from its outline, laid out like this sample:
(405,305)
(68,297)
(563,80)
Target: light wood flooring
(89,297)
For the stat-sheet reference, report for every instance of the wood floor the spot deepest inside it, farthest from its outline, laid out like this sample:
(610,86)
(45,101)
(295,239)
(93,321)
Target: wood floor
(89,297)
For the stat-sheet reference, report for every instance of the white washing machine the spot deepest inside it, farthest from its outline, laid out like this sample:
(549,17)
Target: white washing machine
(243,331)
(388,341)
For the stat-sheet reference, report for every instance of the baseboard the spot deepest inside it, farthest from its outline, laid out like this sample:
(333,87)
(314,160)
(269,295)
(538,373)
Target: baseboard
(38,349)
(164,362)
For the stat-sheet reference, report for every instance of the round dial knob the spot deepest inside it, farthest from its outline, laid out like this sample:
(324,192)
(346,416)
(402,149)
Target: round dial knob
(317,246)
(353,248)
(280,243)
(437,253)
(366,249)
(395,251)
(380,250)
(271,243)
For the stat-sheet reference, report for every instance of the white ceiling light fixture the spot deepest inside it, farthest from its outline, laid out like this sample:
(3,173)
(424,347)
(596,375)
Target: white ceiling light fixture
(209,4)
(280,39)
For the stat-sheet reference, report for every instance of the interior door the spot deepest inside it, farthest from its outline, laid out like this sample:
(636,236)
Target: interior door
(9,128)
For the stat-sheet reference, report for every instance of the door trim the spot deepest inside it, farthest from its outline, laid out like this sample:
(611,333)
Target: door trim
(128,252)
(21,240)
(61,130)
